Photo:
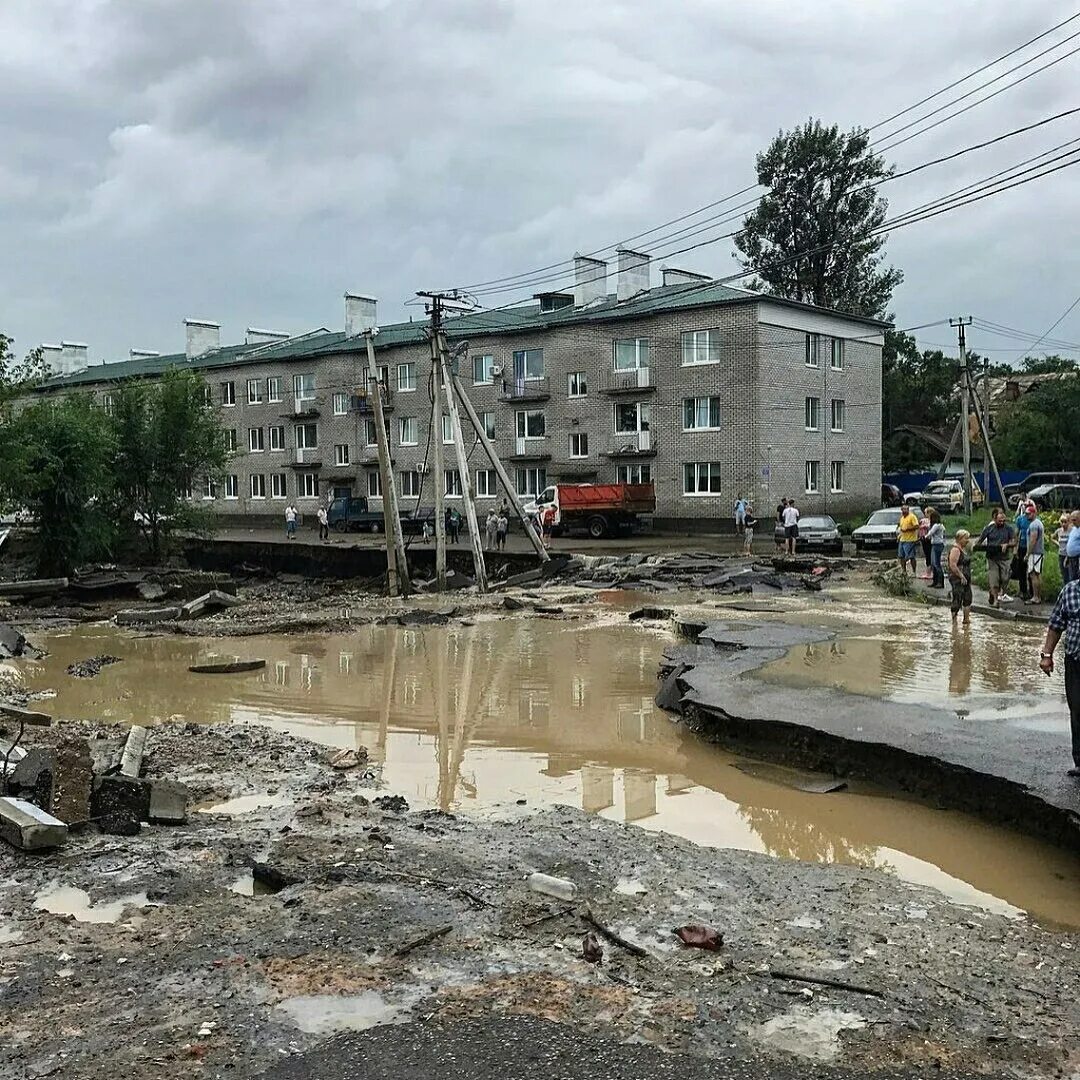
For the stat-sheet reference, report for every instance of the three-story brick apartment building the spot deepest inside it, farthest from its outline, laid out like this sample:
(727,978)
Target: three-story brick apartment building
(710,392)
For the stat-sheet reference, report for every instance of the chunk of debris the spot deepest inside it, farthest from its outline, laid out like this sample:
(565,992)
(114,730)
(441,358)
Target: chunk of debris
(510,603)
(150,591)
(122,794)
(26,826)
(73,780)
(134,750)
(13,644)
(670,693)
(227,667)
(560,888)
(25,716)
(33,586)
(32,778)
(700,936)
(91,666)
(392,804)
(168,802)
(348,759)
(214,600)
(136,616)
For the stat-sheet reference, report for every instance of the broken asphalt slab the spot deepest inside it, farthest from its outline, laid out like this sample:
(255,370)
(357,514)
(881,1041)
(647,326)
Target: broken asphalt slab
(994,768)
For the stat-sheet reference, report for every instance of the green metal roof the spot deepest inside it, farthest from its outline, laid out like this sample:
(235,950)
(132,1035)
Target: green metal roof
(520,319)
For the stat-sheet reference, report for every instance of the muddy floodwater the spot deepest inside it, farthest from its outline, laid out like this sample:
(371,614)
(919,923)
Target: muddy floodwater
(474,719)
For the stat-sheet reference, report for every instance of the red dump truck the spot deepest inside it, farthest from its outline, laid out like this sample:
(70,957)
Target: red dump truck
(598,509)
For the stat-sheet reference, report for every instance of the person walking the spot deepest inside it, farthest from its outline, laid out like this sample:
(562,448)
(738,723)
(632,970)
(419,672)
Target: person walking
(1036,548)
(740,514)
(779,535)
(997,540)
(1064,622)
(290,521)
(936,538)
(490,525)
(791,525)
(907,539)
(1061,538)
(547,525)
(960,574)
(749,524)
(502,525)
(450,526)
(1019,563)
(324,527)
(1072,547)
(924,543)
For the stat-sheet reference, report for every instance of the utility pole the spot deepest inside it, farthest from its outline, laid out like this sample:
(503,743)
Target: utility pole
(965,405)
(986,427)
(397,565)
(437,451)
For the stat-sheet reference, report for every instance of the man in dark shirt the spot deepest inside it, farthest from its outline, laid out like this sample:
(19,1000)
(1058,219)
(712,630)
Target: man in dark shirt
(1065,623)
(997,540)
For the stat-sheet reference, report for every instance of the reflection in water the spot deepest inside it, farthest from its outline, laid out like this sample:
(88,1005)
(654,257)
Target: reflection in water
(558,712)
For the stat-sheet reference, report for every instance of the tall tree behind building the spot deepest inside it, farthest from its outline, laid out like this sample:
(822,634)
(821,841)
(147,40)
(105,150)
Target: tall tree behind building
(811,236)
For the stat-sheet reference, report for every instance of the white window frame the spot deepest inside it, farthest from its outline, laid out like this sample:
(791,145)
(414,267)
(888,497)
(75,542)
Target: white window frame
(576,438)
(644,417)
(232,484)
(228,395)
(624,474)
(256,440)
(410,483)
(536,472)
(403,423)
(487,362)
(258,485)
(810,350)
(406,377)
(447,430)
(577,384)
(521,424)
(833,425)
(638,348)
(300,391)
(232,444)
(836,476)
(712,468)
(374,485)
(812,413)
(452,488)
(487,483)
(273,389)
(341,404)
(254,392)
(341,454)
(297,429)
(277,438)
(692,407)
(279,485)
(696,344)
(307,480)
(837,349)
(487,419)
(371,433)
(526,354)
(813,478)
(209,488)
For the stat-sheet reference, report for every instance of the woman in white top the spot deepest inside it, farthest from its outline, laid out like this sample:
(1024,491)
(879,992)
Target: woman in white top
(936,535)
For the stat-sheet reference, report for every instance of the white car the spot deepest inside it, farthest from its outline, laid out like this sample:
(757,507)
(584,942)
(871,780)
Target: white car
(879,532)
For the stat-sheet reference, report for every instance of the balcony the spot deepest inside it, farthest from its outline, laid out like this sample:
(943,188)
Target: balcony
(632,381)
(364,403)
(306,457)
(303,409)
(632,444)
(514,389)
(535,449)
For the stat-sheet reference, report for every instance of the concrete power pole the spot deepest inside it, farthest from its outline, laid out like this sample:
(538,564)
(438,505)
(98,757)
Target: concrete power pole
(965,405)
(396,560)
(438,478)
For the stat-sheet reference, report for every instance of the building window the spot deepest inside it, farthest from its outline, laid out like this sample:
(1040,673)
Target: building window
(447,430)
(530,481)
(341,404)
(255,440)
(279,485)
(579,444)
(530,424)
(308,485)
(258,486)
(231,444)
(810,417)
(228,394)
(487,419)
(810,347)
(307,436)
(341,453)
(254,388)
(700,347)
(481,369)
(633,474)
(108,403)
(452,483)
(208,394)
(410,484)
(232,487)
(371,435)
(701,414)
(273,389)
(632,416)
(303,387)
(406,377)
(209,488)
(813,477)
(576,384)
(631,354)
(277,437)
(407,434)
(487,483)
(838,410)
(374,485)
(836,354)
(837,477)
(529,364)
(701,478)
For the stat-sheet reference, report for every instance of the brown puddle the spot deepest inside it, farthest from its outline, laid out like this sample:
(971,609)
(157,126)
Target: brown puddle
(469,718)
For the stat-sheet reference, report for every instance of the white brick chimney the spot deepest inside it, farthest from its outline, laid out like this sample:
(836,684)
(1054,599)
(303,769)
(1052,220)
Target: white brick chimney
(255,336)
(672,276)
(74,356)
(54,363)
(359,314)
(202,337)
(590,280)
(633,273)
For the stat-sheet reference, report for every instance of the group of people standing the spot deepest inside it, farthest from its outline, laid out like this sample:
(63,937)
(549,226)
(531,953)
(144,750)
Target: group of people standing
(496,526)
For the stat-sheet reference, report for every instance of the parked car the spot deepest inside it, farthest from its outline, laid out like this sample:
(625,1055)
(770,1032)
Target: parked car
(1037,479)
(948,495)
(1056,496)
(817,532)
(879,532)
(890,495)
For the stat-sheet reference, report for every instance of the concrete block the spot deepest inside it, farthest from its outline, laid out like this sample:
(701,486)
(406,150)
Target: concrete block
(73,780)
(151,591)
(121,794)
(25,716)
(32,778)
(168,802)
(134,749)
(26,826)
(214,600)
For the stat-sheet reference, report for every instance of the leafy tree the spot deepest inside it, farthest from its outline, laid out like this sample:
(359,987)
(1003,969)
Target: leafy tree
(821,207)
(1039,430)
(1042,365)
(168,440)
(17,375)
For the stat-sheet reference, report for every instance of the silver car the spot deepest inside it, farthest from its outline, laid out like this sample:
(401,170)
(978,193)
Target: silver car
(879,532)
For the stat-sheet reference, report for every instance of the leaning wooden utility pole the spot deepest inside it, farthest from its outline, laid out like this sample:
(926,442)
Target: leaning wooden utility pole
(446,374)
(965,406)
(397,564)
(435,439)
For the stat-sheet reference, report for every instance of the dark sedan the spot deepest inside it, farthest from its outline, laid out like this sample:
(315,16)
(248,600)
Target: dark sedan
(816,533)
(1056,496)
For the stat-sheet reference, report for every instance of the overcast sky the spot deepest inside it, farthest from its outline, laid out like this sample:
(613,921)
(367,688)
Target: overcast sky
(248,161)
